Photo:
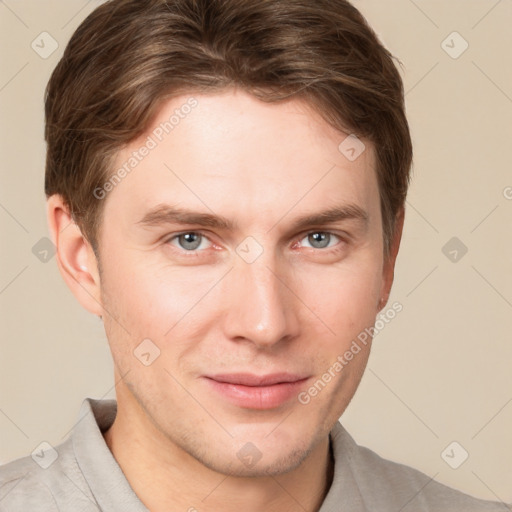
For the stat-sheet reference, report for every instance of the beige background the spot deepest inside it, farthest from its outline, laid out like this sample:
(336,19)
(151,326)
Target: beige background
(440,372)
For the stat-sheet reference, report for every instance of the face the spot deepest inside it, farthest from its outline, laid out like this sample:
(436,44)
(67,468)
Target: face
(246,250)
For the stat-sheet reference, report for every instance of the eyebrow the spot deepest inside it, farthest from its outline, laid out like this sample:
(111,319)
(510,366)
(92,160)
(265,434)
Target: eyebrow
(166,214)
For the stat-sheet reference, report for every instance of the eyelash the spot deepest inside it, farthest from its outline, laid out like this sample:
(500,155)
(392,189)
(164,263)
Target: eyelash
(197,253)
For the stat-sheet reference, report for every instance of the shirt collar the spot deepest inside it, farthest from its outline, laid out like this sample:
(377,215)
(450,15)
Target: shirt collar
(104,476)
(344,493)
(113,492)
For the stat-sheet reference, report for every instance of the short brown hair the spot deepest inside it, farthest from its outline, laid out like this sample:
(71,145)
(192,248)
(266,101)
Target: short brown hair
(130,55)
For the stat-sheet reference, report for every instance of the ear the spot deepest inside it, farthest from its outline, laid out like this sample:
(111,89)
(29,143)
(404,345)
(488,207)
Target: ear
(389,261)
(75,257)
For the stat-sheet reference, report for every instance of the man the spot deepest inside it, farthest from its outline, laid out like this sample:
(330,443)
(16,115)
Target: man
(226,183)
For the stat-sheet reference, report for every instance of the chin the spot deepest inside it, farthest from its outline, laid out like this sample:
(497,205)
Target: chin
(270,464)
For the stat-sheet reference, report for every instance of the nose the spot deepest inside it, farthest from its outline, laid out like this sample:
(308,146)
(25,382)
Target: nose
(261,308)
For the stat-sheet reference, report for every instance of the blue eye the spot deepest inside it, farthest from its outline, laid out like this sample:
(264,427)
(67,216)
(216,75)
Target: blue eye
(194,242)
(320,239)
(189,241)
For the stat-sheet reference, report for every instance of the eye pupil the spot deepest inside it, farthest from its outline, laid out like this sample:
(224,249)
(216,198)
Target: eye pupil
(190,241)
(319,240)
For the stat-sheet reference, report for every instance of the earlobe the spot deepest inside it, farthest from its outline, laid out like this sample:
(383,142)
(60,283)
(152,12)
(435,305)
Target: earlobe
(75,258)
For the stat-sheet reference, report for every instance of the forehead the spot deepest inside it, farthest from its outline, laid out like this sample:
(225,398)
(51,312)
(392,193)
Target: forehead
(233,153)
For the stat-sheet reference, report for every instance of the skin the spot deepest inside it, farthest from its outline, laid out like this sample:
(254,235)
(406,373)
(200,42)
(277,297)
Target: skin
(296,308)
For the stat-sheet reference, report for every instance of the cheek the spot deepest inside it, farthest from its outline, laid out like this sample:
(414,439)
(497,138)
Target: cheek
(155,300)
(345,297)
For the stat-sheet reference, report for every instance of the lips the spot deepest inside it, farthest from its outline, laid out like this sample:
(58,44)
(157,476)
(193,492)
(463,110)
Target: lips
(248,379)
(260,392)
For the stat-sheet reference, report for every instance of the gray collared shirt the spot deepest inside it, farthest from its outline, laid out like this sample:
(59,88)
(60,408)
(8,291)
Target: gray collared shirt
(81,475)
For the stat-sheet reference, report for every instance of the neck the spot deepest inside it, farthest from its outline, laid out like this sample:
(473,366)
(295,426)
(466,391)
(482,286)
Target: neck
(166,478)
